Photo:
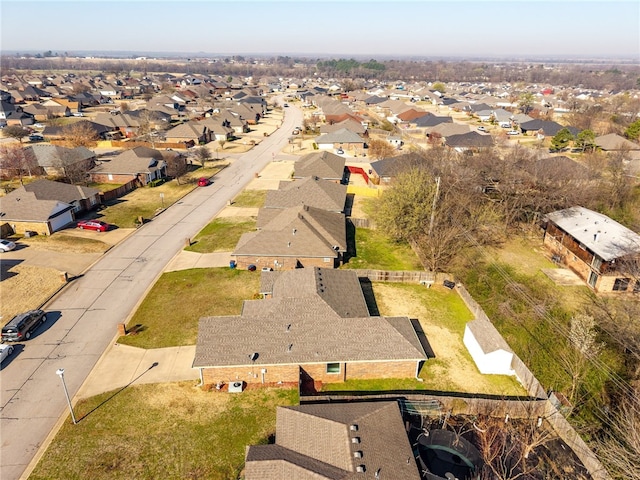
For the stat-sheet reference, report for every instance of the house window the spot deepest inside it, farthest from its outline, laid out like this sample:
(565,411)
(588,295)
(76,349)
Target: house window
(621,284)
(110,176)
(333,368)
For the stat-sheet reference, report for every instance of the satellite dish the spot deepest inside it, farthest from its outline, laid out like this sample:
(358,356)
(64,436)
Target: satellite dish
(254,356)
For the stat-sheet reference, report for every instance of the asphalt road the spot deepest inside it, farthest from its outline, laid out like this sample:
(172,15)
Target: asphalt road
(83,318)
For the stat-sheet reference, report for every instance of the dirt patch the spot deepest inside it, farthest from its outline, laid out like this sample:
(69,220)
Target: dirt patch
(26,287)
(452,369)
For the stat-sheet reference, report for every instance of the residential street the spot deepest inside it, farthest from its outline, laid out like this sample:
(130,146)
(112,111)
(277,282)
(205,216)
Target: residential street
(82,320)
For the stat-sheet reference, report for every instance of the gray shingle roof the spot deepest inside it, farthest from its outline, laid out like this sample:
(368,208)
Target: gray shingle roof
(297,232)
(597,232)
(325,165)
(303,336)
(310,191)
(23,206)
(613,141)
(56,156)
(340,290)
(340,136)
(63,192)
(469,140)
(321,434)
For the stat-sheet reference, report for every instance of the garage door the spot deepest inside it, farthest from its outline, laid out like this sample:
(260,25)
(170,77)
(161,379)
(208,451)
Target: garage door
(60,221)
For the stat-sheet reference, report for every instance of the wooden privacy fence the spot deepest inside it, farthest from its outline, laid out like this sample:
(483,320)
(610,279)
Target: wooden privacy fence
(404,276)
(118,192)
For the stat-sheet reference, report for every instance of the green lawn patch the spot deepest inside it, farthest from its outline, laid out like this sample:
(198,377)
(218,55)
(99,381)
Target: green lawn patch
(169,314)
(250,198)
(169,431)
(375,251)
(221,235)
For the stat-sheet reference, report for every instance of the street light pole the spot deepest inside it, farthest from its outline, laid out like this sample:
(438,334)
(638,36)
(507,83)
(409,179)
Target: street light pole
(60,373)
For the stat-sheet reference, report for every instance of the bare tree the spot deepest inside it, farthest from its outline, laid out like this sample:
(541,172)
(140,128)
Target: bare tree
(176,167)
(202,155)
(15,131)
(16,161)
(380,149)
(80,134)
(619,449)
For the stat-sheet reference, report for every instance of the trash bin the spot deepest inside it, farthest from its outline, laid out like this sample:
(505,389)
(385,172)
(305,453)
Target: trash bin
(232,264)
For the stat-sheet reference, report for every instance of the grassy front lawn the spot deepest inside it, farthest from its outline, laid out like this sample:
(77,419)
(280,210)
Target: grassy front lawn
(146,201)
(168,431)
(169,314)
(66,243)
(374,250)
(250,198)
(221,235)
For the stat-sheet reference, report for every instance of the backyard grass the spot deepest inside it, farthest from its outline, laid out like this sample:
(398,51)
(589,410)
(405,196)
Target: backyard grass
(250,198)
(443,317)
(168,431)
(169,314)
(221,235)
(375,251)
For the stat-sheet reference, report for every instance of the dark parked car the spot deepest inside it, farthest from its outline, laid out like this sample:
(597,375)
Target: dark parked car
(20,327)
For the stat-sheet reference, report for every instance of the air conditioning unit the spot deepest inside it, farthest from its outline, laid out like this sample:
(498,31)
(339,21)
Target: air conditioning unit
(236,387)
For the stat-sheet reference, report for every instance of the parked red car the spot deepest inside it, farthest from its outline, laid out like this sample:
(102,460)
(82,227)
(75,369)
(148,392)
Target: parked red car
(96,225)
(203,182)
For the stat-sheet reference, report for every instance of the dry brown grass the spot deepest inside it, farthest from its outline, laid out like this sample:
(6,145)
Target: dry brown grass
(27,287)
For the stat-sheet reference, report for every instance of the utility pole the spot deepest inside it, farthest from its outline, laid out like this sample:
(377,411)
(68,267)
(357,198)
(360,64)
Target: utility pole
(433,207)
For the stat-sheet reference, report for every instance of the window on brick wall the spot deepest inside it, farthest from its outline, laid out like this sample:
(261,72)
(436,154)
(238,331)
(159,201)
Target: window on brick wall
(333,368)
(621,284)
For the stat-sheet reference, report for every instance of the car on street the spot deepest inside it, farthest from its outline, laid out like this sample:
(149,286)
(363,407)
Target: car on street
(513,132)
(96,225)
(36,137)
(6,245)
(340,151)
(203,182)
(21,326)
(482,129)
(5,352)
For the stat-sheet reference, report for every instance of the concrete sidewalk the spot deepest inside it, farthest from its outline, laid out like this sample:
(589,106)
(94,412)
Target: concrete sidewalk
(185,259)
(123,365)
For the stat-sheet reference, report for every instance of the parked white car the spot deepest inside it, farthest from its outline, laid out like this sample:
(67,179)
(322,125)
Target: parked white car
(6,245)
(5,351)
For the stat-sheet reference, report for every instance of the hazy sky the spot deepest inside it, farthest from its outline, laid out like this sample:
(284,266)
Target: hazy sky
(373,28)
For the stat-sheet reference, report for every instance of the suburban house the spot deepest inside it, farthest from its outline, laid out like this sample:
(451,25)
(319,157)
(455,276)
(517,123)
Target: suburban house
(614,142)
(350,124)
(343,138)
(189,133)
(602,252)
(294,237)
(313,330)
(82,198)
(311,191)
(337,441)
(469,141)
(324,165)
(385,170)
(547,127)
(58,161)
(140,164)
(23,211)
